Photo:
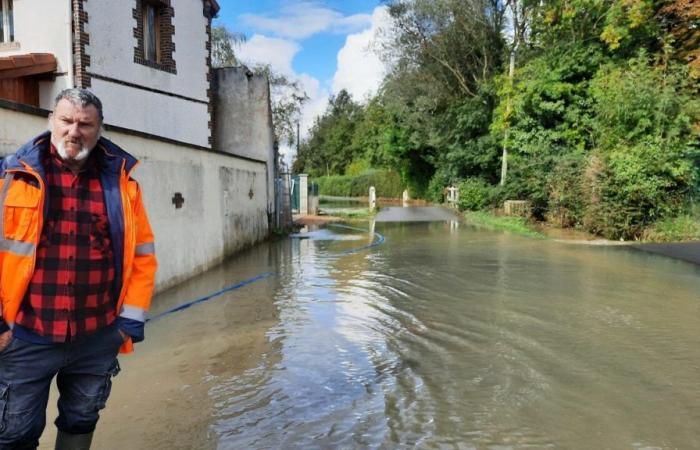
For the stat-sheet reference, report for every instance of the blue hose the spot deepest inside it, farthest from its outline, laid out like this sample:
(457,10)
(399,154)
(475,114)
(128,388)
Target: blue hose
(207,297)
(377,242)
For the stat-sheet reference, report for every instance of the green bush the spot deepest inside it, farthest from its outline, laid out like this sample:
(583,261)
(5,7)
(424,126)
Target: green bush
(387,184)
(475,194)
(682,228)
(566,202)
(646,148)
(639,185)
(436,187)
(357,167)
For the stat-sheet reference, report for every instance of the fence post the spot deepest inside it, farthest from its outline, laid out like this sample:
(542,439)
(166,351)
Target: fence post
(453,196)
(372,198)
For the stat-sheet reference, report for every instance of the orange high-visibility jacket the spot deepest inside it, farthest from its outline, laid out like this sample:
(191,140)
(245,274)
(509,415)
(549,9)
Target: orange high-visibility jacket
(23,196)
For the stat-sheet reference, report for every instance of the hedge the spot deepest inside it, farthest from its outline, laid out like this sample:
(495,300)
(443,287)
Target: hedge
(387,184)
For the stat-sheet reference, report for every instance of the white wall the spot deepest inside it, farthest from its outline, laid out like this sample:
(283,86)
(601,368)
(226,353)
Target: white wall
(17,128)
(111,24)
(218,216)
(153,113)
(44,26)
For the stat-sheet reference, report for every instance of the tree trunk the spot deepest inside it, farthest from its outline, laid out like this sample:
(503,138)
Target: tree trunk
(504,158)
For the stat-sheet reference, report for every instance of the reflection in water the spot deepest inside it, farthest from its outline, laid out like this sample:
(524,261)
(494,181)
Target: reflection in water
(443,337)
(449,336)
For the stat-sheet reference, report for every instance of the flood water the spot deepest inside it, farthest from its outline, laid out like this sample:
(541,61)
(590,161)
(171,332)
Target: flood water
(443,336)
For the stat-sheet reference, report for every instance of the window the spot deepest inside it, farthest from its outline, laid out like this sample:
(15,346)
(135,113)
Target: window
(154,34)
(151,31)
(7,26)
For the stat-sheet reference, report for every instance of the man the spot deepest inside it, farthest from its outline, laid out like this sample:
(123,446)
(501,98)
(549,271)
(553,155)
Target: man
(77,269)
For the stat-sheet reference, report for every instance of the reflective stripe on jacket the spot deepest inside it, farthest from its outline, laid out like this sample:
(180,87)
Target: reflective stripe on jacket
(23,196)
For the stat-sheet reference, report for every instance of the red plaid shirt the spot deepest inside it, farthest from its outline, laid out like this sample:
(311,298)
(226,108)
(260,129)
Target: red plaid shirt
(70,292)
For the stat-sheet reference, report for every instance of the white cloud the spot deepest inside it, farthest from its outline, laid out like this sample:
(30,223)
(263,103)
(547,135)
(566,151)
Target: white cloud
(316,105)
(360,71)
(303,19)
(278,53)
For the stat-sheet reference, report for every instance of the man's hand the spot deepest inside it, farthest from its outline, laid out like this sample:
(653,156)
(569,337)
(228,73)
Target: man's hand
(5,339)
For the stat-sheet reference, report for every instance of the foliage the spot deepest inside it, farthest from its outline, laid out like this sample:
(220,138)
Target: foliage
(437,185)
(685,227)
(357,167)
(223,42)
(328,151)
(386,183)
(457,43)
(639,185)
(597,109)
(476,194)
(680,19)
(566,201)
(287,98)
(646,142)
(470,150)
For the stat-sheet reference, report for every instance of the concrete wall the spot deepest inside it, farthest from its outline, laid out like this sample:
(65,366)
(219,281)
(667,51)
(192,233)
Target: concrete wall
(110,26)
(243,118)
(44,26)
(218,217)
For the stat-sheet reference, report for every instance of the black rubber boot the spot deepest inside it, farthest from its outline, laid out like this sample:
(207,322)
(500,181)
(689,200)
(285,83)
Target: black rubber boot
(66,441)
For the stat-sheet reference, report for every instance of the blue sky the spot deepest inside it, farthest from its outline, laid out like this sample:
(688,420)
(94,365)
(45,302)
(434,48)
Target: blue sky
(318,55)
(325,45)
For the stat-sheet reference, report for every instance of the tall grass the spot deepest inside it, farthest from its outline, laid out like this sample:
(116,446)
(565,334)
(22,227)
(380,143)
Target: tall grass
(518,225)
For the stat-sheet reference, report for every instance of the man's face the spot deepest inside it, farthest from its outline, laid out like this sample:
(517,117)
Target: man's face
(74,130)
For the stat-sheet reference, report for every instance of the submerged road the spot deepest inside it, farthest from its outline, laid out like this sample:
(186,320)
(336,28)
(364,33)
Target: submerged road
(415,214)
(685,251)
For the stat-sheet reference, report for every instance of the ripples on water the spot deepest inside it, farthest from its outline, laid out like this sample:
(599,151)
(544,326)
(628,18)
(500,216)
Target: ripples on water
(459,338)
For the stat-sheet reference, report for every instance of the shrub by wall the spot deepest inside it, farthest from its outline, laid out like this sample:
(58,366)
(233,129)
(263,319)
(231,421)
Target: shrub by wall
(386,182)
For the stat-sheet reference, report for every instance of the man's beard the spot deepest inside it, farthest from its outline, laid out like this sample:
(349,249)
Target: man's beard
(80,156)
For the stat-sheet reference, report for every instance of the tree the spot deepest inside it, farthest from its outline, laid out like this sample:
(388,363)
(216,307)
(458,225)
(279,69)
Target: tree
(287,99)
(521,14)
(457,42)
(680,19)
(328,149)
(223,42)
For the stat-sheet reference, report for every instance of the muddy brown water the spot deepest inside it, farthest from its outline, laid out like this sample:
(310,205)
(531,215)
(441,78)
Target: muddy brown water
(445,336)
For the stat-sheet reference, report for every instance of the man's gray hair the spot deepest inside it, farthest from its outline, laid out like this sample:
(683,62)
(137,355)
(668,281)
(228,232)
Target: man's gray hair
(80,97)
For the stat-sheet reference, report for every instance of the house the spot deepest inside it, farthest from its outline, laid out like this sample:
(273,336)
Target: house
(149,61)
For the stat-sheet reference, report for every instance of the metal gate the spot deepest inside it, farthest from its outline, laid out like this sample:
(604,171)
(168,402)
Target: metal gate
(296,198)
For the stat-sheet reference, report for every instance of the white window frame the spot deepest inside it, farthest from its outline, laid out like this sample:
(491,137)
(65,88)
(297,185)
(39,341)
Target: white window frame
(7,24)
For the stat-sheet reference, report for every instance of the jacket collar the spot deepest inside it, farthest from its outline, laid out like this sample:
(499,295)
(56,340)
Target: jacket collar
(31,153)
(115,158)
